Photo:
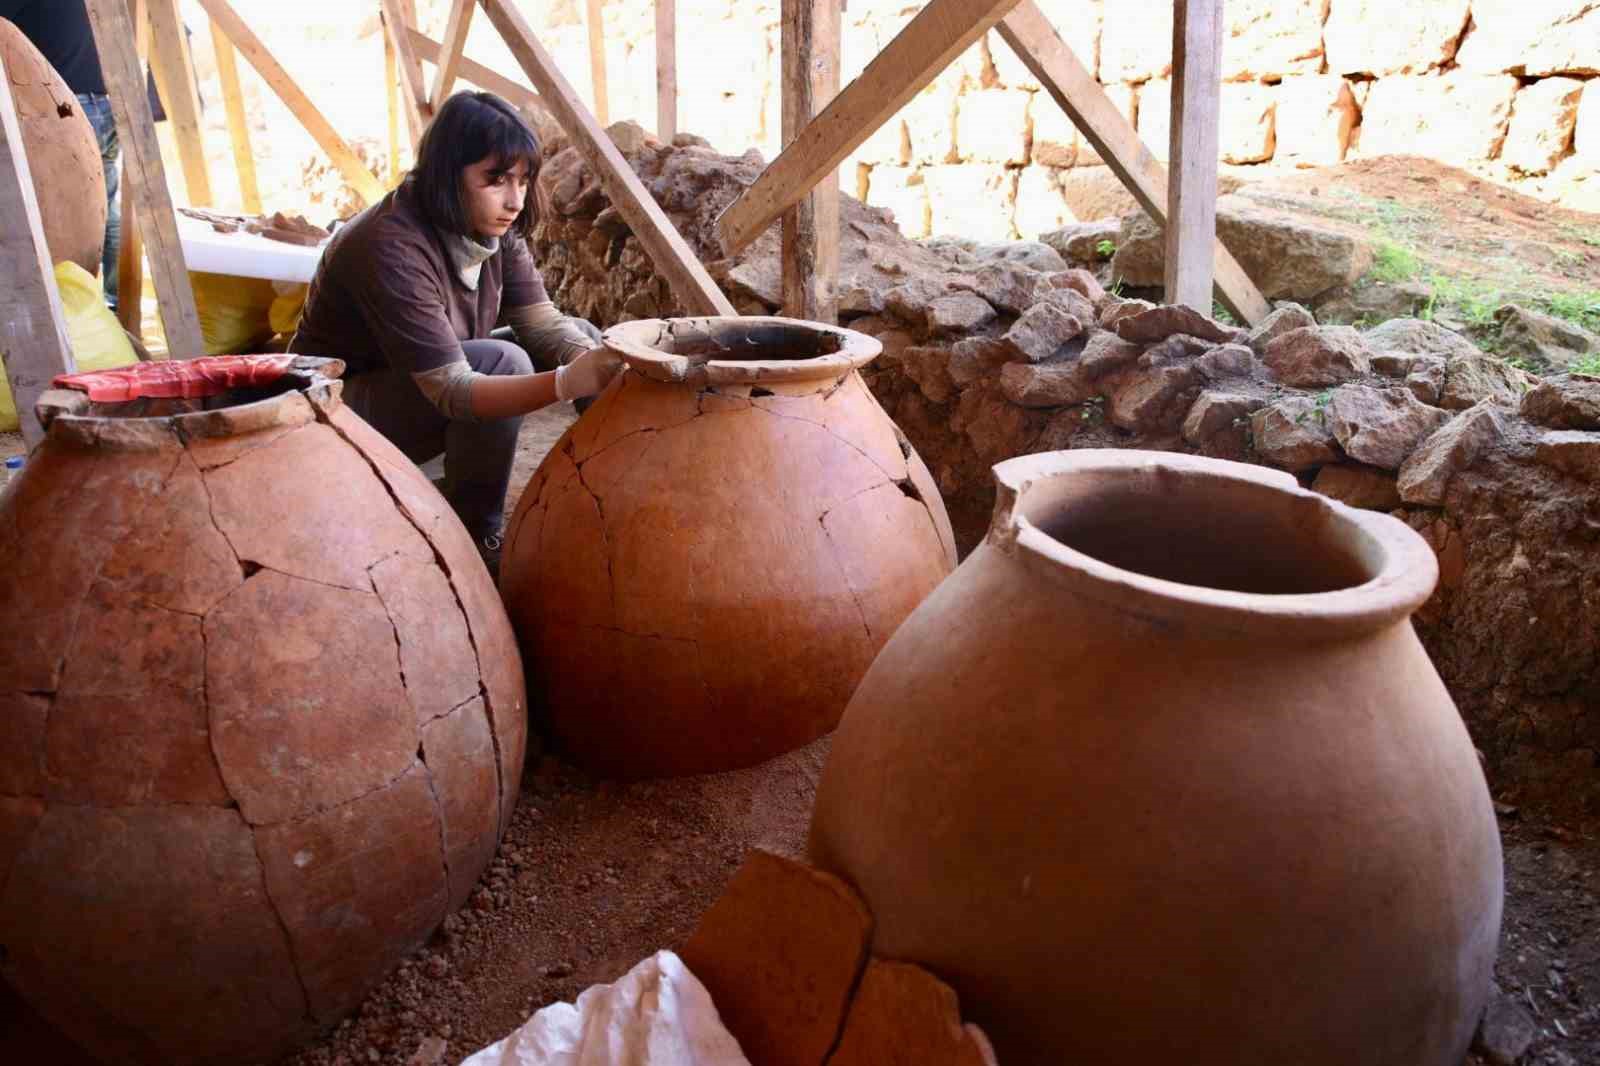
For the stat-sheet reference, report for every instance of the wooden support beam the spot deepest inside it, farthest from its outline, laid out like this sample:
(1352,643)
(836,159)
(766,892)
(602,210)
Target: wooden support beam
(413,90)
(244,161)
(174,70)
(597,63)
(810,41)
(455,39)
(391,93)
(939,33)
(141,166)
(666,247)
(1042,51)
(514,93)
(666,70)
(33,333)
(130,256)
(1192,190)
(355,172)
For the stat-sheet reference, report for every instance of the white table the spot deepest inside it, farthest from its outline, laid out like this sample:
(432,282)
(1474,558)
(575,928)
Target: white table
(244,255)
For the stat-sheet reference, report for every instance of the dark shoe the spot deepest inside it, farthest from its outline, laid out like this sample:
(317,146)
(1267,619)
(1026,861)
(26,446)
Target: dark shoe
(489,551)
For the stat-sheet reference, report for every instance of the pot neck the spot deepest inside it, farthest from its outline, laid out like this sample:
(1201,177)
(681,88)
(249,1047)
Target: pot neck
(750,350)
(1185,540)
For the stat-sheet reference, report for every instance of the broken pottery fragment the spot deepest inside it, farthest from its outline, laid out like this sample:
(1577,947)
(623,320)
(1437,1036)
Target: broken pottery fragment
(707,562)
(262,719)
(1186,743)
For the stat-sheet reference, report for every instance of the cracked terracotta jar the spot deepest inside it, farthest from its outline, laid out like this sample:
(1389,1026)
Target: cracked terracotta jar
(1163,774)
(705,565)
(261,720)
(63,153)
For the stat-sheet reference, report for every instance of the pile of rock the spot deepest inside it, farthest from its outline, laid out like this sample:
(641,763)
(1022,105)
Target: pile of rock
(993,351)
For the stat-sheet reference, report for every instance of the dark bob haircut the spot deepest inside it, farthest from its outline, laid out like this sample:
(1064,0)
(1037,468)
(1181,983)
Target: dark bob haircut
(471,127)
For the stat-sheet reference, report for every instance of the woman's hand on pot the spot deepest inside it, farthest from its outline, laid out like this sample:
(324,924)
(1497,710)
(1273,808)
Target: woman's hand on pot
(588,374)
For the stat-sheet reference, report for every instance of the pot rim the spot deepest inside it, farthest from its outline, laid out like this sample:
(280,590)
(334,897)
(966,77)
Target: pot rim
(68,417)
(640,344)
(1401,568)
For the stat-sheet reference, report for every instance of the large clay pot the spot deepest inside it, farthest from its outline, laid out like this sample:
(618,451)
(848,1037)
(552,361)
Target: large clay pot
(261,721)
(1162,775)
(706,564)
(63,154)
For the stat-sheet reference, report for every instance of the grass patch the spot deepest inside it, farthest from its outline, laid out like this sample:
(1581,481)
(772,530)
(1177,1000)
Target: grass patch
(1392,262)
(1579,308)
(1589,364)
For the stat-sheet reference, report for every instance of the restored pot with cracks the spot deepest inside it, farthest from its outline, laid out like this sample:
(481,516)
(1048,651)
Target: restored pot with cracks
(1162,774)
(706,564)
(63,153)
(261,719)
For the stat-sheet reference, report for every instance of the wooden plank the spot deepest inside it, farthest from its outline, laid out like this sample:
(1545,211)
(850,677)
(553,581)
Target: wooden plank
(33,332)
(939,33)
(1192,187)
(130,256)
(141,166)
(355,172)
(666,247)
(174,70)
(810,42)
(1042,51)
(413,90)
(391,93)
(244,161)
(455,39)
(597,62)
(666,70)
(517,95)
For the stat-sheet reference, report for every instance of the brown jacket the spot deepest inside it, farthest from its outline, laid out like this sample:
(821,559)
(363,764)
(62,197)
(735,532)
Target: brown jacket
(387,296)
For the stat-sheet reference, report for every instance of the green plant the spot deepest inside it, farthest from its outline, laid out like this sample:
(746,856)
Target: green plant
(1393,262)
(1517,361)
(1582,308)
(1222,314)
(1105,249)
(1589,364)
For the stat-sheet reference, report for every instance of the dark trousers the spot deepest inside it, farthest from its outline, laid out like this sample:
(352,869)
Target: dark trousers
(477,455)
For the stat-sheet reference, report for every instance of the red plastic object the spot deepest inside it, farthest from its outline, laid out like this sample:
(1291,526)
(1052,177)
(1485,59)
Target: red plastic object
(187,379)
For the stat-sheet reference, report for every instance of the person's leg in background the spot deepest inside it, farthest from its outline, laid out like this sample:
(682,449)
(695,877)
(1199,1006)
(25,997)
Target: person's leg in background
(478,455)
(98,111)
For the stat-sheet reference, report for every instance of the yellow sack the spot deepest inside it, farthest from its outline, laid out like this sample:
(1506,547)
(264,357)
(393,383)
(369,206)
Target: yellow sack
(234,312)
(284,315)
(96,336)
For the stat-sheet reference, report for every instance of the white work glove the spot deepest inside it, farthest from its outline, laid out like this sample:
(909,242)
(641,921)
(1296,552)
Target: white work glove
(588,374)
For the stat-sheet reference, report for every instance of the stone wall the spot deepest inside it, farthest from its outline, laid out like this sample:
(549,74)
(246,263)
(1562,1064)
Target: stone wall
(992,351)
(1503,87)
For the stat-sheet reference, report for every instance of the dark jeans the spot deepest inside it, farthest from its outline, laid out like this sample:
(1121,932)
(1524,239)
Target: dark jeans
(97,109)
(477,455)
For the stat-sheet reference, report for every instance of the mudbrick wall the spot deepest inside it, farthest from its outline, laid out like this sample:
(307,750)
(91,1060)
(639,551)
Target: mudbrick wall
(1506,88)
(992,351)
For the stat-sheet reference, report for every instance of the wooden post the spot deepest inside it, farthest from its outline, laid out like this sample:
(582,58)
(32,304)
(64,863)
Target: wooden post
(238,126)
(455,39)
(174,71)
(597,62)
(391,92)
(666,70)
(1075,90)
(1192,189)
(517,95)
(413,91)
(130,257)
(141,165)
(33,334)
(666,247)
(366,186)
(810,39)
(939,33)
